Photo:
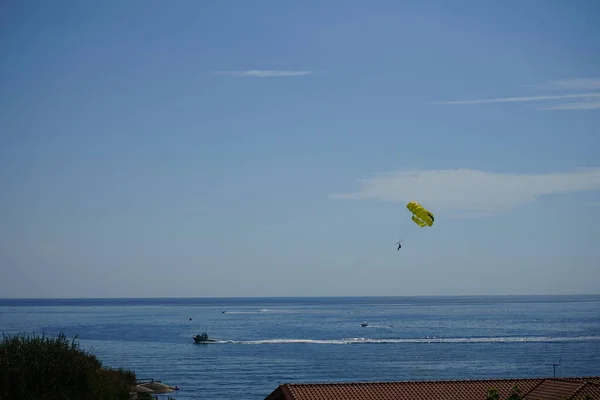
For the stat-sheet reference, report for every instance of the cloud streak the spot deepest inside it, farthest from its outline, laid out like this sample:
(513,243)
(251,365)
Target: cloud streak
(269,73)
(474,192)
(589,105)
(575,84)
(571,101)
(525,99)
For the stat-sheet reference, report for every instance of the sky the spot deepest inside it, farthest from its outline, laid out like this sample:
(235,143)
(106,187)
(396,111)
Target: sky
(266,148)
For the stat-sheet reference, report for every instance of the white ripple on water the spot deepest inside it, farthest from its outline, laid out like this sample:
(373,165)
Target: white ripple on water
(523,339)
(279,311)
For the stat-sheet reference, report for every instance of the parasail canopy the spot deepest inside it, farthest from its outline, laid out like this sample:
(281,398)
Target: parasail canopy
(421,216)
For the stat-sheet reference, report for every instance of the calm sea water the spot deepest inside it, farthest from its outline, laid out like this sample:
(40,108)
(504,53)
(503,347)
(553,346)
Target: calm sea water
(268,341)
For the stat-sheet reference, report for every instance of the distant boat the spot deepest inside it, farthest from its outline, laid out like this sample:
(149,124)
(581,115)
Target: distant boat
(203,339)
(364,324)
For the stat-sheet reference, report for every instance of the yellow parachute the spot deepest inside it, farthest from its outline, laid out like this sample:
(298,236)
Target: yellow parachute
(421,216)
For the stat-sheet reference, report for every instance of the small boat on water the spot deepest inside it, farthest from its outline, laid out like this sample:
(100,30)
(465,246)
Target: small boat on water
(364,324)
(203,338)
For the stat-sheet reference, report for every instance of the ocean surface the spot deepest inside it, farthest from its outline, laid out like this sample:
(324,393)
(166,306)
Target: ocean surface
(264,342)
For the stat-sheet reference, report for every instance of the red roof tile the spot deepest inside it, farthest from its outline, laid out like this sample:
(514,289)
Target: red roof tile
(589,379)
(590,389)
(554,389)
(434,390)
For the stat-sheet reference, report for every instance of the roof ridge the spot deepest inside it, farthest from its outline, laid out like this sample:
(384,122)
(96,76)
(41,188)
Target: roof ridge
(573,386)
(535,387)
(577,377)
(581,388)
(287,393)
(420,381)
(567,378)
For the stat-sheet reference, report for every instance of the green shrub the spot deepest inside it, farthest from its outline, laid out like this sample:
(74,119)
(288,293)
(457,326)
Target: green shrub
(515,394)
(40,367)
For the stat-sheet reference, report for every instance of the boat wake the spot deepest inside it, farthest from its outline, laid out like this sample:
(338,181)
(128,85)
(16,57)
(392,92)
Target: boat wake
(276,311)
(523,339)
(379,326)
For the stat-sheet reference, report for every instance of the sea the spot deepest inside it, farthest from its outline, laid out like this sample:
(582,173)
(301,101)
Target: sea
(265,342)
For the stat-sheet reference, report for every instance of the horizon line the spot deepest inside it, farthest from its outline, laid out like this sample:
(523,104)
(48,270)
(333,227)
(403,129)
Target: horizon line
(300,297)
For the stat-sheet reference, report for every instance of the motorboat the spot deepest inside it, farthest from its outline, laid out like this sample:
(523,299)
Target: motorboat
(203,338)
(364,324)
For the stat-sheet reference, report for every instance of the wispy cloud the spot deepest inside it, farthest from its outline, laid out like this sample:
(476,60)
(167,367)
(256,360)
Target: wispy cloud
(478,193)
(573,101)
(524,99)
(589,105)
(265,73)
(575,84)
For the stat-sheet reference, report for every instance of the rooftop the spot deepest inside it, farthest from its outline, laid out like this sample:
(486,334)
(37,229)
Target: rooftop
(533,388)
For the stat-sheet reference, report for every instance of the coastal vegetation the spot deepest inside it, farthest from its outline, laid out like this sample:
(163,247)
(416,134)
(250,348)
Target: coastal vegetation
(515,394)
(36,367)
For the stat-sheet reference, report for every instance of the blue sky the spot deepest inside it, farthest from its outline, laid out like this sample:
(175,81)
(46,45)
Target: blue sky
(221,148)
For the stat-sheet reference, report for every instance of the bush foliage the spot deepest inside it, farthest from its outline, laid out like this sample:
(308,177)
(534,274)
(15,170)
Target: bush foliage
(515,394)
(40,367)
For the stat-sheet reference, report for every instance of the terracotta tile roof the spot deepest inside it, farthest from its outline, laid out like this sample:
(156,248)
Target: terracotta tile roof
(590,389)
(426,390)
(554,389)
(436,390)
(590,379)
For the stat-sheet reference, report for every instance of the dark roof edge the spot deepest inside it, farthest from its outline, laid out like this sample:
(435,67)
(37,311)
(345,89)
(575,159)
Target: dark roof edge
(541,378)
(286,391)
(585,385)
